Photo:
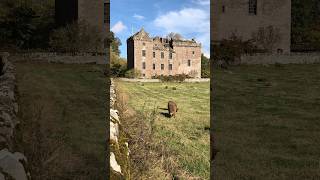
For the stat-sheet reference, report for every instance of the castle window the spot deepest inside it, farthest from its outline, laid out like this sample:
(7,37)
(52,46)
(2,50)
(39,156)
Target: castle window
(253,7)
(143,65)
(192,52)
(162,66)
(144,53)
(223,9)
(143,44)
(280,51)
(170,66)
(154,54)
(170,55)
(144,75)
(189,63)
(154,66)
(162,55)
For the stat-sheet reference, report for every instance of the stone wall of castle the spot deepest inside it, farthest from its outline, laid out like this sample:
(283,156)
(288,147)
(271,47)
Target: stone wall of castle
(232,16)
(92,11)
(96,13)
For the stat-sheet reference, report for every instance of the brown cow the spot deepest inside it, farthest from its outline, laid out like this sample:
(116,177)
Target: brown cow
(172,108)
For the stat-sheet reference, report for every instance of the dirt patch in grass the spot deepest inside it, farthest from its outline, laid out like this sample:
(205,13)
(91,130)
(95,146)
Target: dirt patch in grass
(62,129)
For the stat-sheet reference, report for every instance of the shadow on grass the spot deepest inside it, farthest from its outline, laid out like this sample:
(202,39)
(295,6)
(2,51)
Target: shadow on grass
(167,115)
(164,109)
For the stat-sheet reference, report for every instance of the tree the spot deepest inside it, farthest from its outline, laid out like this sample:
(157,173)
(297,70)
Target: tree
(17,26)
(175,36)
(118,65)
(205,66)
(114,43)
(305,20)
(26,25)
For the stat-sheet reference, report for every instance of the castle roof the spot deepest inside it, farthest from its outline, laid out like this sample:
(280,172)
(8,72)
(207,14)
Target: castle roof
(141,35)
(162,43)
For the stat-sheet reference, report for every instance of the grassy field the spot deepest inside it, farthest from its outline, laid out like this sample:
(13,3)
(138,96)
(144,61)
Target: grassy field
(267,122)
(185,137)
(62,110)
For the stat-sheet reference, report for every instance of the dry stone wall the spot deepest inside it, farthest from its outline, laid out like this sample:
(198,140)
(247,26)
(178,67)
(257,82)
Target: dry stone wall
(12,164)
(119,150)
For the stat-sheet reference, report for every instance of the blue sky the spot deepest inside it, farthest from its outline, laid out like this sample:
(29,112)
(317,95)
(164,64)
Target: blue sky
(190,18)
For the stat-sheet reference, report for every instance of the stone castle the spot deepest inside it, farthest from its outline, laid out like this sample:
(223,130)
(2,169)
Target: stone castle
(243,18)
(163,56)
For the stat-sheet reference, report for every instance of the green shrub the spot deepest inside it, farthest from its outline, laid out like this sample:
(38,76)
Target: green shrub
(117,70)
(205,73)
(170,78)
(193,73)
(76,37)
(133,73)
(205,66)
(230,50)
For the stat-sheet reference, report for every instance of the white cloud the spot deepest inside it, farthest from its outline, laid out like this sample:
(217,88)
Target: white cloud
(138,17)
(187,21)
(118,27)
(202,2)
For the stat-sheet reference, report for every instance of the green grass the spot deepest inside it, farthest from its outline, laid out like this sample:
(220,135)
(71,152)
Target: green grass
(186,136)
(62,109)
(267,122)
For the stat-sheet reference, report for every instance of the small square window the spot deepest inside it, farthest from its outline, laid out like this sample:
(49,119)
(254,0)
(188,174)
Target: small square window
(144,75)
(170,66)
(192,52)
(189,63)
(143,65)
(162,66)
(154,66)
(144,53)
(223,9)
(143,44)
(162,55)
(253,7)
(170,55)
(154,54)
